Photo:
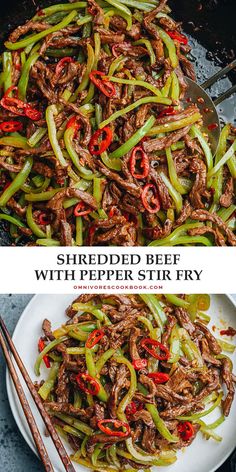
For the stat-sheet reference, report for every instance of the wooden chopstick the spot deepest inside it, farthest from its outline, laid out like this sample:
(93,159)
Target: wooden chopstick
(26,408)
(45,416)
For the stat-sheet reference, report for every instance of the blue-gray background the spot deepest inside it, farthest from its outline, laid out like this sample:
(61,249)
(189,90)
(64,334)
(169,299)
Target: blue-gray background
(15,455)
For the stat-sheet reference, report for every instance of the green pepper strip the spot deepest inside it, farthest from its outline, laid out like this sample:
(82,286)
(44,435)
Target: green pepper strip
(97,190)
(196,133)
(84,20)
(12,220)
(91,367)
(145,6)
(142,101)
(14,141)
(23,82)
(117,12)
(148,325)
(196,416)
(227,347)
(217,180)
(177,301)
(48,348)
(169,43)
(175,89)
(226,213)
(52,134)
(36,137)
(173,174)
(47,387)
(116,64)
(229,154)
(175,234)
(149,47)
(32,225)
(58,8)
(123,9)
(85,307)
(68,139)
(77,424)
(173,193)
(44,196)
(134,140)
(37,37)
(165,91)
(111,163)
(103,359)
(85,80)
(122,406)
(156,309)
(7,69)
(17,182)
(159,423)
(73,431)
(173,126)
(134,82)
(175,345)
(97,49)
(79,231)
(185,240)
(47,242)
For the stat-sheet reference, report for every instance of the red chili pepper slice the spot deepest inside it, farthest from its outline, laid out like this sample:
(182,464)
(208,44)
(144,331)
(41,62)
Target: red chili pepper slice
(149,344)
(185,430)
(150,202)
(116,424)
(41,13)
(112,211)
(94,338)
(228,332)
(159,377)
(178,37)
(18,107)
(61,64)
(103,85)
(168,111)
(87,383)
(41,346)
(32,113)
(43,219)
(73,123)
(91,233)
(81,206)
(132,408)
(11,126)
(97,146)
(139,364)
(212,126)
(139,154)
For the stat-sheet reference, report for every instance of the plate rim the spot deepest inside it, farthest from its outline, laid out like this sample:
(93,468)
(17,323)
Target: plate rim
(11,397)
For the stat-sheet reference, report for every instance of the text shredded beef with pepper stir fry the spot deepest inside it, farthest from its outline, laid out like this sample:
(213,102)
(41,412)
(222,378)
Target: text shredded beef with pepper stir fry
(96,146)
(133,378)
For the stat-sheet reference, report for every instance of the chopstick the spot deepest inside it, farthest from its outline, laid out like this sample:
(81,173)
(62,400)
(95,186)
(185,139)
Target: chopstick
(45,416)
(26,408)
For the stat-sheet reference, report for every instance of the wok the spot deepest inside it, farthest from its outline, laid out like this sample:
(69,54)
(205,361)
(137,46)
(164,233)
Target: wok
(209,23)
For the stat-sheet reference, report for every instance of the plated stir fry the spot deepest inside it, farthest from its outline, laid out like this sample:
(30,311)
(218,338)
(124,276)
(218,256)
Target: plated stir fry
(96,144)
(133,378)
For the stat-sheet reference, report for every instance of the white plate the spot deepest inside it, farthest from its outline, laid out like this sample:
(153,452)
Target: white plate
(202,455)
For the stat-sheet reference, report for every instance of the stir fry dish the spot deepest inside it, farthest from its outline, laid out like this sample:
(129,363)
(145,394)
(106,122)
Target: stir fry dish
(97,143)
(133,378)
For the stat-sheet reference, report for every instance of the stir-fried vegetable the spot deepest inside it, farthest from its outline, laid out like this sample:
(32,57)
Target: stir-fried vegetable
(109,375)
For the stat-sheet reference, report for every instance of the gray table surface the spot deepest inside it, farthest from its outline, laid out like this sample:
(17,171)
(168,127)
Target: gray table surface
(15,455)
